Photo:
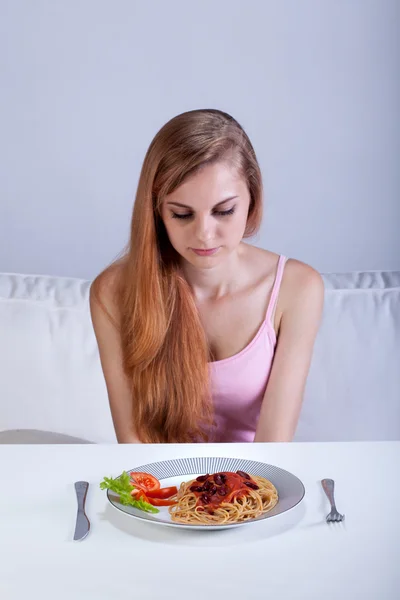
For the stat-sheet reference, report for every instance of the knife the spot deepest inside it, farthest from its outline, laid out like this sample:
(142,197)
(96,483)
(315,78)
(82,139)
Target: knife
(82,522)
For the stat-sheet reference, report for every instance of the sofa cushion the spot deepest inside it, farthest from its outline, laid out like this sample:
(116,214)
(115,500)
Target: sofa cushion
(50,372)
(353,388)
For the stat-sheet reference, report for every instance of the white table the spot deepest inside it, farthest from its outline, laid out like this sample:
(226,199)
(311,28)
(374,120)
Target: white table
(296,555)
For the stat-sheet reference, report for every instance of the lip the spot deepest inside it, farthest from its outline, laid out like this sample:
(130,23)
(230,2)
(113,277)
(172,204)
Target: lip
(206,252)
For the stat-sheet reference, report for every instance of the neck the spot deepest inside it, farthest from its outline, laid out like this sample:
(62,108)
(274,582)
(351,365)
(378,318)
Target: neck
(216,282)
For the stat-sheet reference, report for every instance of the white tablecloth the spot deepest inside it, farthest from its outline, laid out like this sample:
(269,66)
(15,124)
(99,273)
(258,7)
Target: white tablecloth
(295,555)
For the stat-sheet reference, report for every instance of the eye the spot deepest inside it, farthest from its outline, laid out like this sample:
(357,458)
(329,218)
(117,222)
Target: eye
(225,213)
(177,216)
(218,213)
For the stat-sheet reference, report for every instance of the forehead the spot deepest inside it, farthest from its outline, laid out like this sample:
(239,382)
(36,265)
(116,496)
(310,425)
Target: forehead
(210,185)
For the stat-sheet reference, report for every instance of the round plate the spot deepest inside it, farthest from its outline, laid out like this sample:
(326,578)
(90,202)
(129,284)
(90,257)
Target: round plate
(173,472)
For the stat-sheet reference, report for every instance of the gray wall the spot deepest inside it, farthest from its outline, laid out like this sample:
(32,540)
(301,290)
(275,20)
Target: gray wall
(85,84)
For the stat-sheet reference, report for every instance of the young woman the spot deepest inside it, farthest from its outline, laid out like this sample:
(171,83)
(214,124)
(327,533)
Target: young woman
(203,337)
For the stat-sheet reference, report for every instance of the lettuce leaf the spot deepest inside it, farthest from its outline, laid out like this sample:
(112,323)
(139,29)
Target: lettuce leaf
(122,486)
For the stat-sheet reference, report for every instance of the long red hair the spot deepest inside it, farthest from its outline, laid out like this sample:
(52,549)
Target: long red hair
(165,350)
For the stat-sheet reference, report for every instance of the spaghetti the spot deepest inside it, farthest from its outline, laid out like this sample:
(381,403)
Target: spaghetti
(223,498)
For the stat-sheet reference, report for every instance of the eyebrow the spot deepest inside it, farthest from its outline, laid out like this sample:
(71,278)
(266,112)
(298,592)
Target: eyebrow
(215,205)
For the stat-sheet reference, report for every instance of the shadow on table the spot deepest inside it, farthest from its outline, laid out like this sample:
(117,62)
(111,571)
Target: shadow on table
(250,532)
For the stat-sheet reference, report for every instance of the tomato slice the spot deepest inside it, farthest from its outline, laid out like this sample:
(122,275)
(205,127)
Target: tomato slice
(161,501)
(138,494)
(145,481)
(166,492)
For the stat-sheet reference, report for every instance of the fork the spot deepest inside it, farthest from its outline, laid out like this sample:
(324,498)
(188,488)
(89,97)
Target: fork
(334,516)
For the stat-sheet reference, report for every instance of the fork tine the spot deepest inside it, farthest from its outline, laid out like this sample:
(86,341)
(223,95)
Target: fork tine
(338,517)
(334,517)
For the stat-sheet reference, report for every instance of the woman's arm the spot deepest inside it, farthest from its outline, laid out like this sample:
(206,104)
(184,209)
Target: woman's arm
(301,299)
(109,343)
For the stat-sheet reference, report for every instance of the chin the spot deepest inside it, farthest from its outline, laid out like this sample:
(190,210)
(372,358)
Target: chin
(200,262)
(207,262)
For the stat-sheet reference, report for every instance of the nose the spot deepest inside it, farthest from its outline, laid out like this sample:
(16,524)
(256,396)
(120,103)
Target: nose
(204,229)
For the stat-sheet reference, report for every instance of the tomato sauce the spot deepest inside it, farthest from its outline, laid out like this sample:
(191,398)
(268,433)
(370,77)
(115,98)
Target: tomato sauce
(212,490)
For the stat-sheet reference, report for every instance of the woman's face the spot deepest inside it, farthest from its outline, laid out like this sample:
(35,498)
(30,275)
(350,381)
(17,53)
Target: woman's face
(206,216)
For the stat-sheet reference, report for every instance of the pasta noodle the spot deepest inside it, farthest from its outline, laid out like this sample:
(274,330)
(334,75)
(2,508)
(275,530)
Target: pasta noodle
(223,498)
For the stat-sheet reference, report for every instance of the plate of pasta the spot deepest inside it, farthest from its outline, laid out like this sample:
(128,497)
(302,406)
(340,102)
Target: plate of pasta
(204,493)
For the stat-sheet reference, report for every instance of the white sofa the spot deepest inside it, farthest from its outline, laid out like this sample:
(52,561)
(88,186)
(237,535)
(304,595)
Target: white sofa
(52,387)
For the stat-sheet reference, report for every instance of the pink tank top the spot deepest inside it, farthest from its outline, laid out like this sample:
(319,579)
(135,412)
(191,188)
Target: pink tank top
(238,383)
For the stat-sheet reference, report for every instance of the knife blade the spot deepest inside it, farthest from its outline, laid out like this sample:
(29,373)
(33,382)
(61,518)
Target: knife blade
(82,526)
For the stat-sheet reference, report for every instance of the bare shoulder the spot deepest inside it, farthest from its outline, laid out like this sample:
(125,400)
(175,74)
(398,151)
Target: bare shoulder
(104,291)
(299,276)
(302,285)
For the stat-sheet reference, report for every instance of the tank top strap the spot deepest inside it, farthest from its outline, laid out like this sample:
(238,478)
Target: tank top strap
(276,287)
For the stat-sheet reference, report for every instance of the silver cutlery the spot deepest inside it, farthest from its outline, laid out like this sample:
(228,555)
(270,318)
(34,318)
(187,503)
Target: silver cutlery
(329,487)
(82,522)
